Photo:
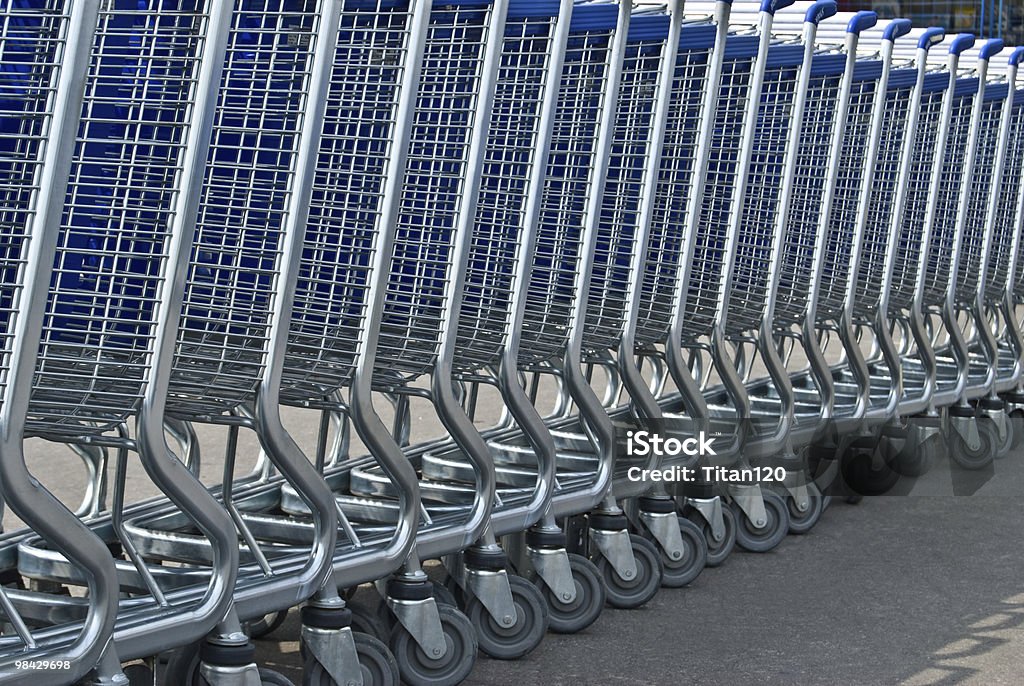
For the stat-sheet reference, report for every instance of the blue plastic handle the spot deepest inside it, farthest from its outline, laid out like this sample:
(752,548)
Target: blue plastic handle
(862,21)
(993,47)
(930,37)
(965,41)
(896,28)
(820,11)
(773,6)
(1016,56)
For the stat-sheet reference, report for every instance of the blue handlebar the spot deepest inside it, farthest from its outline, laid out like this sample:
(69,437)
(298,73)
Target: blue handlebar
(896,28)
(1016,56)
(993,47)
(820,11)
(773,6)
(930,37)
(965,41)
(862,21)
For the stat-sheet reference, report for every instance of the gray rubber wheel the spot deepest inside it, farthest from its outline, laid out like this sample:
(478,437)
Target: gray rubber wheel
(373,621)
(802,522)
(585,608)
(376,663)
(1016,426)
(980,458)
(526,632)
(266,625)
(417,669)
(632,593)
(718,551)
(183,669)
(138,674)
(764,538)
(679,573)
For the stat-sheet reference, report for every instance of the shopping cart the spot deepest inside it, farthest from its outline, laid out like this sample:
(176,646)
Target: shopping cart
(43,59)
(938,266)
(105,331)
(1005,239)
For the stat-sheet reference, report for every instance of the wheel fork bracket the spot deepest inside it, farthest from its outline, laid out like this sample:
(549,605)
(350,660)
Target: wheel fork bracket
(335,650)
(616,548)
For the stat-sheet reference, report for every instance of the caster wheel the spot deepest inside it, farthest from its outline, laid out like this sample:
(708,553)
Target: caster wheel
(265,625)
(864,477)
(183,668)
(570,618)
(718,551)
(138,675)
(417,669)
(375,621)
(1016,426)
(679,573)
(442,595)
(525,634)
(802,522)
(376,663)
(633,593)
(968,458)
(764,538)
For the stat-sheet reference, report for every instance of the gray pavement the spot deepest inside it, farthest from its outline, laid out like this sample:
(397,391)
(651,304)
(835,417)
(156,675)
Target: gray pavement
(916,589)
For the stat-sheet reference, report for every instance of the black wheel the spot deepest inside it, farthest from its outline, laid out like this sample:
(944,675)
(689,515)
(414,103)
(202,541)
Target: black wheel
(183,668)
(718,551)
(585,608)
(442,595)
(761,539)
(802,522)
(266,625)
(864,475)
(973,459)
(1016,428)
(373,621)
(635,592)
(525,633)
(680,572)
(417,669)
(376,663)
(138,674)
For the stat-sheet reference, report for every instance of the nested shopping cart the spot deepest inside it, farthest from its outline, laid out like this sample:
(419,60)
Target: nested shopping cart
(1005,246)
(936,287)
(43,60)
(103,341)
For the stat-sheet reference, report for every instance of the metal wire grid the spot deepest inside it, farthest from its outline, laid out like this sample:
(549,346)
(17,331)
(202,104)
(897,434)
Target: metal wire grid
(568,182)
(1003,227)
(235,266)
(745,301)
(668,216)
(31,43)
(709,242)
(940,249)
(620,202)
(432,191)
(801,229)
(880,199)
(914,211)
(110,265)
(836,266)
(485,311)
(341,237)
(972,240)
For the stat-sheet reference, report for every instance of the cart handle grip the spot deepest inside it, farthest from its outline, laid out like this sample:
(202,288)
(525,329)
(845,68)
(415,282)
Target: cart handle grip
(773,6)
(820,11)
(991,48)
(930,37)
(896,28)
(1016,56)
(964,41)
(862,21)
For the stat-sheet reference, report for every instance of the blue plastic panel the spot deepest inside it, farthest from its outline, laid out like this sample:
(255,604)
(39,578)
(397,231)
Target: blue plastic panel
(902,78)
(648,27)
(831,63)
(867,70)
(966,86)
(697,37)
(593,16)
